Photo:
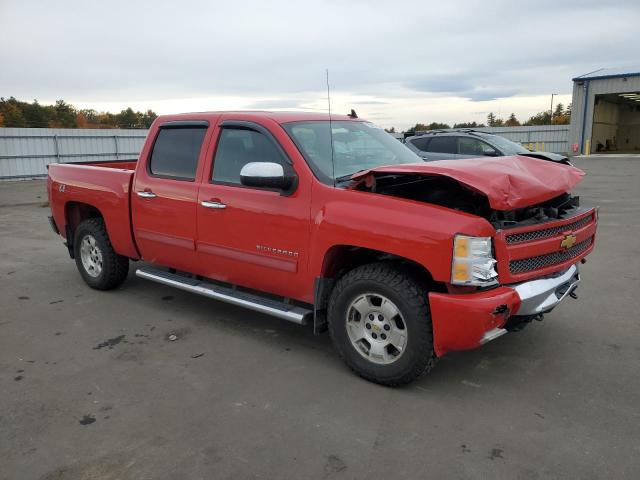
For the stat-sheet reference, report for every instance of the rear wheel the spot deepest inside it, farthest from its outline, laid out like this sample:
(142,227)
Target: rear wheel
(380,324)
(100,266)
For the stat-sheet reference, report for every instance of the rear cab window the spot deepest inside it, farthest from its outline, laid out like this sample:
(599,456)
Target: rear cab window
(175,153)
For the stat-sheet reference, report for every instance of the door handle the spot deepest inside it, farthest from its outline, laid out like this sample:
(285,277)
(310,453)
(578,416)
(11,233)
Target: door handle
(146,194)
(213,204)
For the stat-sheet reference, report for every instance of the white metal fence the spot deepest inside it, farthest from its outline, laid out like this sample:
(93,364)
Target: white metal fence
(26,152)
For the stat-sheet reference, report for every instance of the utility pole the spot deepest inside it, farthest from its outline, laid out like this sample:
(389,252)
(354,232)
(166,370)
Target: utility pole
(551,111)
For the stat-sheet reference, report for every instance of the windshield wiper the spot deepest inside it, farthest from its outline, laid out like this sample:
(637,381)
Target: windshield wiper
(344,178)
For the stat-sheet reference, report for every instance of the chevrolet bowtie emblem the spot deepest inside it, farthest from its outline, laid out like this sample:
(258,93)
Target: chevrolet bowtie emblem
(568,241)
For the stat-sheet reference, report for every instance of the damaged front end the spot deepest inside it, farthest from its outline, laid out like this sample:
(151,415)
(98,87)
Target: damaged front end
(541,235)
(540,227)
(506,183)
(450,193)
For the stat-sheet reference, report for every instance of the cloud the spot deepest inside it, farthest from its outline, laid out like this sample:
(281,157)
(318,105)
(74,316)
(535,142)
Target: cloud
(274,54)
(370,102)
(274,104)
(465,85)
(485,94)
(442,83)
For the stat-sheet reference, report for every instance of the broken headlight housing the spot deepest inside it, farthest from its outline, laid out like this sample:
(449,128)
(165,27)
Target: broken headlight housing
(473,262)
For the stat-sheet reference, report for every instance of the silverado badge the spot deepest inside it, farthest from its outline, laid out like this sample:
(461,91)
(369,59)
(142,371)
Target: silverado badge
(568,241)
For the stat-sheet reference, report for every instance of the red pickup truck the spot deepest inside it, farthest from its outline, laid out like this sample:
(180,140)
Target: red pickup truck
(332,221)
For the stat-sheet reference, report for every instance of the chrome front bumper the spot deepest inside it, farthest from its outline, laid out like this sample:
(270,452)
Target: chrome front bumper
(541,296)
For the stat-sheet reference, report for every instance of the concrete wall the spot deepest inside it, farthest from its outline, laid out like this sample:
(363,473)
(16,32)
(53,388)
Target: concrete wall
(26,152)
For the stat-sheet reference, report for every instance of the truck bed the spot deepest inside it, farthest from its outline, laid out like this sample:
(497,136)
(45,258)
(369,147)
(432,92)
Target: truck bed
(105,186)
(129,164)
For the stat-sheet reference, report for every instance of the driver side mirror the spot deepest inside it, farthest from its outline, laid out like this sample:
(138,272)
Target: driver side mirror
(490,153)
(266,175)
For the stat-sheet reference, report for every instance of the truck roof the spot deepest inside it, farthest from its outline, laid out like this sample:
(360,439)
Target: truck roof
(279,117)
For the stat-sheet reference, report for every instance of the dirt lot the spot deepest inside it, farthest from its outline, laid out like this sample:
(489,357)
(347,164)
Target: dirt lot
(91,387)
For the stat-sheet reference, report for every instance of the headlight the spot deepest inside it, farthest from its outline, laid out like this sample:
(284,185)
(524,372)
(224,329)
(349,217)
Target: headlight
(472,262)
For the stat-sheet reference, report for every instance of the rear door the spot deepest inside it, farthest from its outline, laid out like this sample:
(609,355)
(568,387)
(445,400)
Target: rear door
(441,148)
(165,195)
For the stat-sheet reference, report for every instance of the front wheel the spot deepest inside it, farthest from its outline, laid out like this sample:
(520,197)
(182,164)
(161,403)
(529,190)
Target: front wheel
(380,323)
(100,266)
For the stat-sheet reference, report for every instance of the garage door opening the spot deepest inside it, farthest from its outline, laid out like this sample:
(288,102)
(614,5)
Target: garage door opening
(616,123)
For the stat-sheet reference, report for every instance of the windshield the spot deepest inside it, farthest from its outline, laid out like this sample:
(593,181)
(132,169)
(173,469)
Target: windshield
(507,146)
(356,146)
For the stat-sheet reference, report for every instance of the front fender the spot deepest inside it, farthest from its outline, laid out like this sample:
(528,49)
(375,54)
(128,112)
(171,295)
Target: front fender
(413,230)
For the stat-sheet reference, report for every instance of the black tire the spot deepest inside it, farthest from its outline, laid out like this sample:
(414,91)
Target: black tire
(410,298)
(114,267)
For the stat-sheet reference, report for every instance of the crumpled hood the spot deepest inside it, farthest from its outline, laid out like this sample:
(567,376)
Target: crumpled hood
(509,183)
(553,157)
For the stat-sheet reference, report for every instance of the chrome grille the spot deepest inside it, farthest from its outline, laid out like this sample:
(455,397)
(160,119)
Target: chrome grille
(548,232)
(542,261)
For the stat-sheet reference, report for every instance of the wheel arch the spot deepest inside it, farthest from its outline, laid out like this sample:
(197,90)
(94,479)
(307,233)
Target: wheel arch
(117,224)
(74,214)
(342,258)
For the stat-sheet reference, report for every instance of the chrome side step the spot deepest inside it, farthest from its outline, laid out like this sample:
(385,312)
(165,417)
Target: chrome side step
(283,310)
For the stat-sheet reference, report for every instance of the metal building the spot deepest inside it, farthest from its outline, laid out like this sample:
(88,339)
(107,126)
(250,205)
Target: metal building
(605,112)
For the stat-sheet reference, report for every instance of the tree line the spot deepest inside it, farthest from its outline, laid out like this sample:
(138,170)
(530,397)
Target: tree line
(15,113)
(561,116)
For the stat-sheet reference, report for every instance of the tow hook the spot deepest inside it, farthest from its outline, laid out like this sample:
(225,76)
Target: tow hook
(573,295)
(501,309)
(515,324)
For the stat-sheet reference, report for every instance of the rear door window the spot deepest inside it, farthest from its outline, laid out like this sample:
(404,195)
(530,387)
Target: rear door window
(176,151)
(442,145)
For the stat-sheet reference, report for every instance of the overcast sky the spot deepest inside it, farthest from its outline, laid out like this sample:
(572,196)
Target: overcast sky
(395,62)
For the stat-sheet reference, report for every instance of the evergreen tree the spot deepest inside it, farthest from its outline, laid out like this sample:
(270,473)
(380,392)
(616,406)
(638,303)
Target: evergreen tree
(493,121)
(512,121)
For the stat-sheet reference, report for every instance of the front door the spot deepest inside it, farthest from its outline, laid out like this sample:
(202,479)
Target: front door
(252,237)
(469,147)
(164,198)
